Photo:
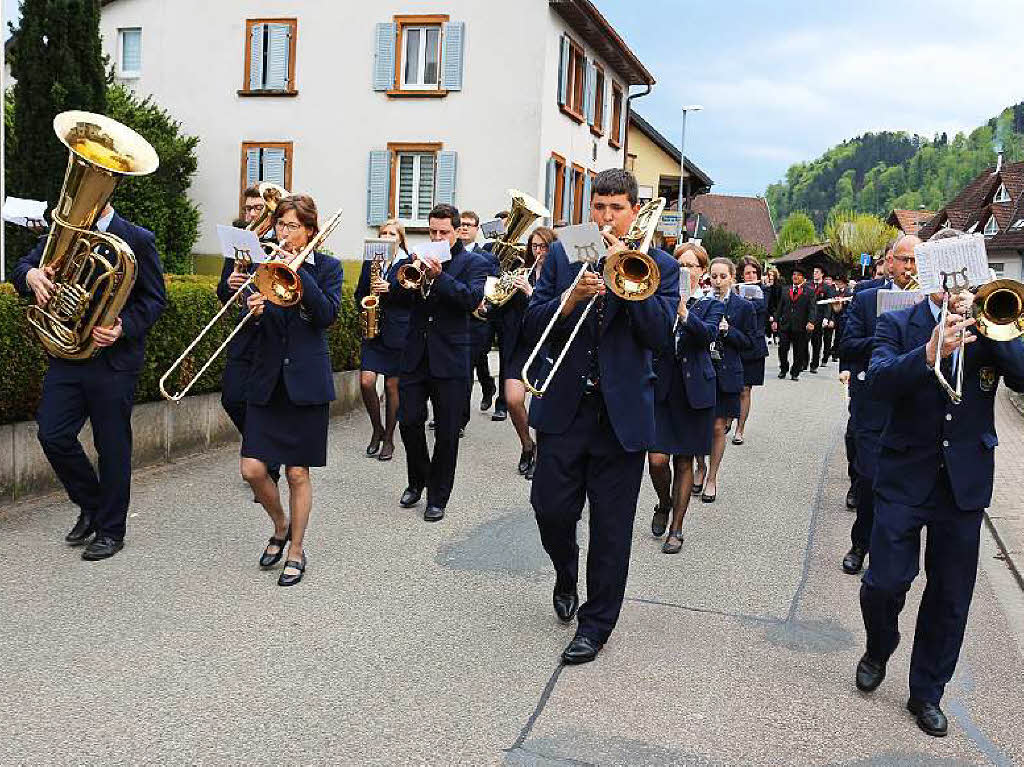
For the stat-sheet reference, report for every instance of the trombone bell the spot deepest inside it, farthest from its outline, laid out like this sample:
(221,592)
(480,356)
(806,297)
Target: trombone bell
(632,275)
(999,310)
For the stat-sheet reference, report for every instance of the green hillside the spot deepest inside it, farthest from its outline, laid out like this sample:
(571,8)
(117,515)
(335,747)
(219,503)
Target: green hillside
(877,172)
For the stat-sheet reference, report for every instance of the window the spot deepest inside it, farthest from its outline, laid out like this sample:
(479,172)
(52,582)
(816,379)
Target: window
(998,267)
(130,52)
(578,212)
(572,78)
(1017,225)
(416,173)
(556,192)
(1001,195)
(266,161)
(407,180)
(615,137)
(597,127)
(419,56)
(991,227)
(269,57)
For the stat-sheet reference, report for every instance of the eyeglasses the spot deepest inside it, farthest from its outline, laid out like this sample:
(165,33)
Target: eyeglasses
(905,259)
(290,228)
(254,208)
(539,246)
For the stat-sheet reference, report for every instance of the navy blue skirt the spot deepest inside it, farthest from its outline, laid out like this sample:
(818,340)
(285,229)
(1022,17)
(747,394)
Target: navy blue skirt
(680,429)
(378,358)
(727,405)
(753,372)
(284,433)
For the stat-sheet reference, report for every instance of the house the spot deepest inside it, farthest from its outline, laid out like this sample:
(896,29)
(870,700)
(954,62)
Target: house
(749,217)
(384,108)
(909,221)
(993,204)
(808,257)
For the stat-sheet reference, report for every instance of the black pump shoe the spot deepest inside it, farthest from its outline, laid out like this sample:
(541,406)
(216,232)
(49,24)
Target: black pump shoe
(268,560)
(659,522)
(81,532)
(929,717)
(374,447)
(288,579)
(526,459)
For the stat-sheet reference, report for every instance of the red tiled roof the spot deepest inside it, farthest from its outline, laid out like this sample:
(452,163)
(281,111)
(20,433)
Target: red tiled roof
(1011,236)
(974,204)
(909,221)
(801,253)
(748,217)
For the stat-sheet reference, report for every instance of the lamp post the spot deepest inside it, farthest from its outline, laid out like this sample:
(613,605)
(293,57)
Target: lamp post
(682,168)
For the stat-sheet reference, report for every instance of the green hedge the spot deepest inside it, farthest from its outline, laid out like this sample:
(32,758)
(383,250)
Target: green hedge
(191,302)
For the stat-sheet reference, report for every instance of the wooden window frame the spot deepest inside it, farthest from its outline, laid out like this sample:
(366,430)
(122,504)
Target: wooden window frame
(573,106)
(556,202)
(289,150)
(394,149)
(245,90)
(615,126)
(599,84)
(576,178)
(437,19)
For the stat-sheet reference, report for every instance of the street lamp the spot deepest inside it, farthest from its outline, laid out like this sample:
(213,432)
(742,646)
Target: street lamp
(682,167)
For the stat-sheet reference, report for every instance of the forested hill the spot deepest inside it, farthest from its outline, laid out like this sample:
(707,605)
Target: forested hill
(877,172)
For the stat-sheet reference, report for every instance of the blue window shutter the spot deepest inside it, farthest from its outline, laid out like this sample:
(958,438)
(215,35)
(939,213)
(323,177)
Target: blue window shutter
(563,71)
(252,166)
(378,182)
(384,60)
(256,58)
(549,189)
(453,39)
(278,49)
(585,208)
(274,166)
(567,193)
(588,91)
(446,167)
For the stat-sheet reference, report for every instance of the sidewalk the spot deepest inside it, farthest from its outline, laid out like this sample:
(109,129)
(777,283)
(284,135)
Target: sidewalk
(1006,514)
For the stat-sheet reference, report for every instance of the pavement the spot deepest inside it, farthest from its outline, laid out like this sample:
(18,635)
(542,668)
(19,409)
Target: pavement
(410,642)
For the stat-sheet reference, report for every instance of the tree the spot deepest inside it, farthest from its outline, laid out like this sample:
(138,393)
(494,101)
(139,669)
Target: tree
(720,242)
(797,230)
(850,234)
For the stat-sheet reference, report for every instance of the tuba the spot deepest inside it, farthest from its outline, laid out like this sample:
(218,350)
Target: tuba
(513,258)
(93,272)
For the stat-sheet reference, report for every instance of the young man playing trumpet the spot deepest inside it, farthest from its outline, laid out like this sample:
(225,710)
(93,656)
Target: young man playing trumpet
(596,419)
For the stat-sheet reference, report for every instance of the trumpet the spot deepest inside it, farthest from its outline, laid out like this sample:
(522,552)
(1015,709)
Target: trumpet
(412,275)
(632,275)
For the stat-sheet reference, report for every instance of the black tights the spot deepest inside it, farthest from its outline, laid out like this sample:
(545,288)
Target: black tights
(371,401)
(673,491)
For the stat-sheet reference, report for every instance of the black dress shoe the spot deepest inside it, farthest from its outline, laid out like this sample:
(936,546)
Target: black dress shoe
(433,514)
(795,376)
(929,717)
(580,650)
(852,497)
(102,547)
(500,414)
(782,374)
(81,532)
(526,460)
(870,673)
(814,370)
(410,497)
(268,560)
(854,560)
(659,522)
(374,447)
(533,468)
(566,603)
(290,579)
(486,402)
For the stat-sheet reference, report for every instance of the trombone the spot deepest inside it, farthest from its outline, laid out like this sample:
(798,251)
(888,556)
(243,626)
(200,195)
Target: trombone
(632,275)
(277,281)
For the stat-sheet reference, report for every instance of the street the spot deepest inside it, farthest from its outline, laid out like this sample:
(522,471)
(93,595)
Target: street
(410,642)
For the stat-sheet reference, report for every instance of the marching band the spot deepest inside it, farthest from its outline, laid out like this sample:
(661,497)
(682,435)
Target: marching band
(629,360)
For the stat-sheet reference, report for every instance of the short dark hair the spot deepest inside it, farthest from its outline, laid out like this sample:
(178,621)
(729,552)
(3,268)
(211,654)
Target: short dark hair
(469,214)
(252,191)
(615,181)
(502,214)
(444,210)
(305,211)
(748,261)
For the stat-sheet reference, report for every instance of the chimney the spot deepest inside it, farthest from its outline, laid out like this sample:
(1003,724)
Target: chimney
(999,162)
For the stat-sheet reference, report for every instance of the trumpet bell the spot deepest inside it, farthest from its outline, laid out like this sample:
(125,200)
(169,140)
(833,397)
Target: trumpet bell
(632,275)
(999,310)
(410,276)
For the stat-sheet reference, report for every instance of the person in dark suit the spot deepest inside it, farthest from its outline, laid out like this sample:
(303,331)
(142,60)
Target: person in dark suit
(772,296)
(497,328)
(482,328)
(935,471)
(436,363)
(685,393)
(596,420)
(291,388)
(735,331)
(840,313)
(101,389)
(753,358)
(868,414)
(795,319)
(382,355)
(821,291)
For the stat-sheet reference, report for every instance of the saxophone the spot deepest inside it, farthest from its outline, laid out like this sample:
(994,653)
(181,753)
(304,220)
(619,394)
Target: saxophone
(370,314)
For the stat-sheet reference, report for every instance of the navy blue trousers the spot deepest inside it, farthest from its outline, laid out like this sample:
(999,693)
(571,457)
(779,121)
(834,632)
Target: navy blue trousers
(851,451)
(951,566)
(73,392)
(588,462)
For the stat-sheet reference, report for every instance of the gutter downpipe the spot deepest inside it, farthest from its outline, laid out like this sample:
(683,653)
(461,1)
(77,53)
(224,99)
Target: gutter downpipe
(629,107)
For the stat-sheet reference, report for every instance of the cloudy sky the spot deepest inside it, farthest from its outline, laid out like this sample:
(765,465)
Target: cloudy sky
(781,82)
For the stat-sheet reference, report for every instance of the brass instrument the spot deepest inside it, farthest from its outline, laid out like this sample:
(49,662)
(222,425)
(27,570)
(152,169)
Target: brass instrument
(836,300)
(999,310)
(412,275)
(513,258)
(632,275)
(370,316)
(93,272)
(278,281)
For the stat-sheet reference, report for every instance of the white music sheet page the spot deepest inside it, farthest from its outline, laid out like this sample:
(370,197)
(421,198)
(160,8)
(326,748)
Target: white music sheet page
(892,300)
(582,243)
(963,259)
(240,243)
(439,251)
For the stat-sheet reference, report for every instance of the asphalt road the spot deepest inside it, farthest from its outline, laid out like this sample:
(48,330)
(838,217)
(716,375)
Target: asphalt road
(436,644)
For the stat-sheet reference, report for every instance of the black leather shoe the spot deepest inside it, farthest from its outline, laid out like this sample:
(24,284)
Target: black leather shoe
(580,650)
(500,414)
(814,371)
(533,468)
(795,376)
(102,547)
(852,497)
(526,460)
(290,579)
(870,673)
(410,497)
(486,402)
(81,532)
(782,374)
(854,560)
(433,514)
(659,522)
(929,717)
(268,560)
(566,603)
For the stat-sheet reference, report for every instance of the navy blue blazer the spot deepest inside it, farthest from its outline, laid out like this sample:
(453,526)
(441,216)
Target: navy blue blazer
(241,346)
(396,306)
(439,323)
(758,343)
(740,314)
(876,282)
(692,355)
(626,342)
(145,303)
(925,431)
(855,348)
(291,342)
(481,330)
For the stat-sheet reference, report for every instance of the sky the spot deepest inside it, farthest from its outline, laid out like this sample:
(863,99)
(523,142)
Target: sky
(782,81)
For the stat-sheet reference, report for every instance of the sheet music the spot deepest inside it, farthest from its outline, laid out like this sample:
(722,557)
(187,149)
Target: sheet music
(684,283)
(751,290)
(493,229)
(439,251)
(27,213)
(378,247)
(891,300)
(954,256)
(240,243)
(582,243)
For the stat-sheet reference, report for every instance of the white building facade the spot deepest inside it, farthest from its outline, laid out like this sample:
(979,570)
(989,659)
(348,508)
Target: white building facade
(383,108)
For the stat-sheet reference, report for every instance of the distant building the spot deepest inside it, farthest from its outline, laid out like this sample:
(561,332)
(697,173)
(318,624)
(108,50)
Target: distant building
(909,221)
(749,217)
(993,204)
(808,257)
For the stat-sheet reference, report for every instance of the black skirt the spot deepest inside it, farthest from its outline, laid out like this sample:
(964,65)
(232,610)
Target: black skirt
(753,372)
(284,433)
(678,428)
(378,358)
(727,405)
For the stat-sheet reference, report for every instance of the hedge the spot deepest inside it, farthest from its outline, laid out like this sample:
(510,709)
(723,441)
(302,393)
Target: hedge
(191,302)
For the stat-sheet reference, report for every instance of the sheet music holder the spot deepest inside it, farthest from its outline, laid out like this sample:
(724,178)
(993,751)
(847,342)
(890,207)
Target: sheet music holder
(493,229)
(240,243)
(583,243)
(684,283)
(751,290)
(963,260)
(378,247)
